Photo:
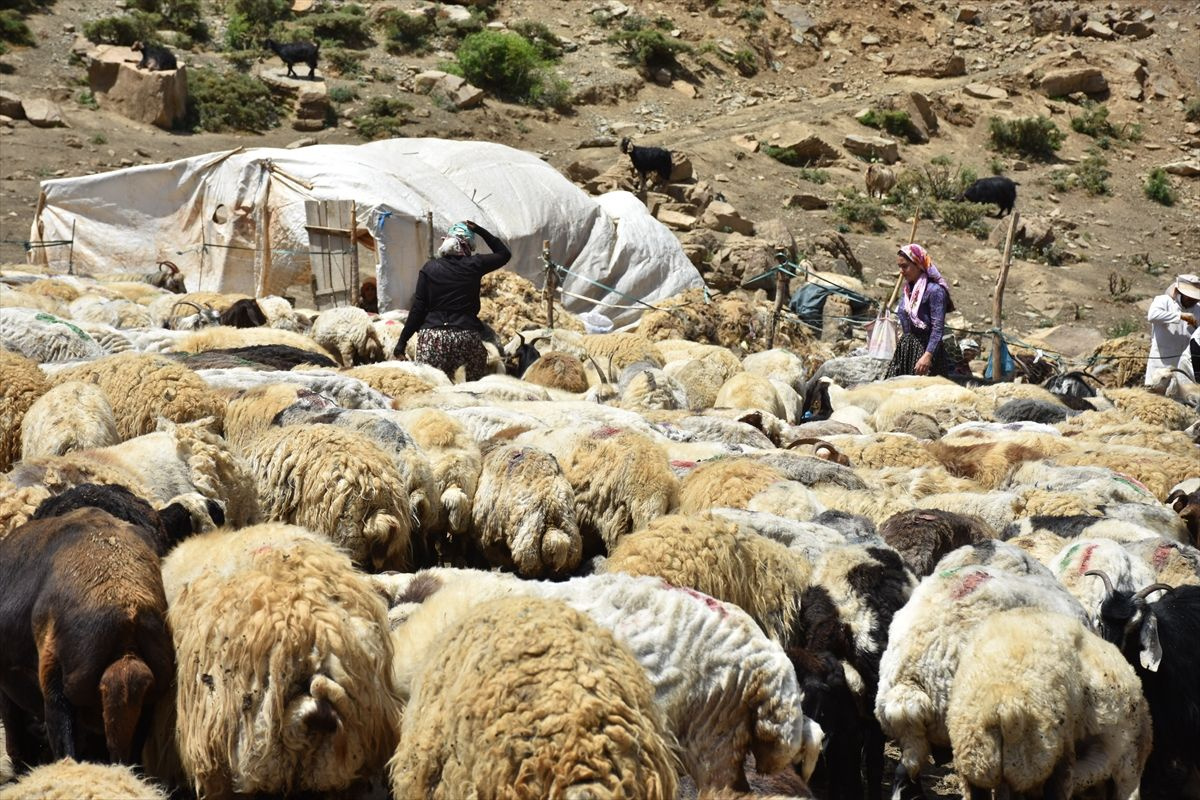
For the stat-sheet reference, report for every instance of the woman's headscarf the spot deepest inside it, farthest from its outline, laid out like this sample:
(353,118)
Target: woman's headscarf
(459,241)
(914,292)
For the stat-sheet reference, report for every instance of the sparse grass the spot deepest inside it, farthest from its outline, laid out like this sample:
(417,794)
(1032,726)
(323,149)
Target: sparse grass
(343,62)
(996,166)
(963,216)
(1123,327)
(347,26)
(897,123)
(857,209)
(405,32)
(1094,122)
(753,16)
(1191,110)
(744,60)
(818,176)
(382,118)
(98,139)
(1158,187)
(924,191)
(14,30)
(1033,137)
(87,99)
(221,100)
(1051,255)
(342,94)
(1094,174)
(509,66)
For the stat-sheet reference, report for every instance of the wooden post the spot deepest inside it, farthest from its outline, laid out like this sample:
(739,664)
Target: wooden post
(548,286)
(265,238)
(71,251)
(781,292)
(355,281)
(998,297)
(429,222)
(912,237)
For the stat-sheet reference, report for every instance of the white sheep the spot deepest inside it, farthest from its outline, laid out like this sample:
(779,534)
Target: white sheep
(1072,564)
(44,337)
(454,459)
(72,780)
(879,180)
(344,390)
(71,416)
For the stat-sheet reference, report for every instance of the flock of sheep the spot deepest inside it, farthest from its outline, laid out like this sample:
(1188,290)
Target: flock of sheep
(245,554)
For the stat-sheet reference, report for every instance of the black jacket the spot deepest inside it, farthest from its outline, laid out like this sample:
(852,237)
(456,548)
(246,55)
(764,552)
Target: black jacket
(447,294)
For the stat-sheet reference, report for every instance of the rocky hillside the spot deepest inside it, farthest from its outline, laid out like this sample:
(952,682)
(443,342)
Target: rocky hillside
(776,108)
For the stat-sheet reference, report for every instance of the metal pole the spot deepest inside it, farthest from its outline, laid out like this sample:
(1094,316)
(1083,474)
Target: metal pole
(429,222)
(998,297)
(71,251)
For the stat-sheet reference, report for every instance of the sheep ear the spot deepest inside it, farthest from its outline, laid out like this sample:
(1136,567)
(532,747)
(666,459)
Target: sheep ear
(1151,655)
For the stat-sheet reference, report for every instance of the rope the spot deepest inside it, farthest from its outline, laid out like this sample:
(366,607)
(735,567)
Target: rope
(564,271)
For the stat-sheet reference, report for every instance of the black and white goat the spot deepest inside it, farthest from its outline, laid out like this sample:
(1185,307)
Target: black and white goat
(646,160)
(297,53)
(154,57)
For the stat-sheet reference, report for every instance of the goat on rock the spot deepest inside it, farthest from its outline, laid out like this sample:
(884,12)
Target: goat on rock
(646,160)
(296,53)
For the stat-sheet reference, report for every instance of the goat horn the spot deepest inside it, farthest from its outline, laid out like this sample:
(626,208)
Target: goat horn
(1151,589)
(179,303)
(169,265)
(603,378)
(1108,587)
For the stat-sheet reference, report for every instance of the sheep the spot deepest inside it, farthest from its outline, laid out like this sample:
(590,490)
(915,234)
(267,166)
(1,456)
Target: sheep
(994,189)
(746,390)
(616,351)
(997,509)
(455,462)
(1042,704)
(1156,471)
(922,536)
(1032,410)
(284,682)
(83,611)
(224,338)
(347,334)
(646,160)
(879,180)
(700,378)
(118,313)
(524,512)
(397,383)
(23,384)
(296,52)
(1151,408)
(727,482)
(71,416)
(251,412)
(259,356)
(1074,564)
(713,556)
(72,780)
(787,499)
(142,388)
(925,641)
(1172,562)
(883,450)
(339,483)
(811,470)
(342,389)
(558,370)
(781,364)
(643,386)
(809,539)
(244,313)
(43,337)
(711,428)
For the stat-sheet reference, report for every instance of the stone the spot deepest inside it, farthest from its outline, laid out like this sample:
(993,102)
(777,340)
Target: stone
(10,105)
(968,15)
(1072,341)
(745,141)
(306,141)
(869,40)
(929,64)
(308,125)
(1138,30)
(720,216)
(681,168)
(42,113)
(1188,169)
(925,117)
(676,220)
(806,201)
(156,97)
(1062,82)
(1033,232)
(800,139)
(684,88)
(1052,17)
(985,91)
(579,172)
(873,147)
(597,141)
(1097,30)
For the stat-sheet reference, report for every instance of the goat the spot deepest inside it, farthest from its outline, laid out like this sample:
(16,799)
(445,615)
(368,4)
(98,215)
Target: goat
(244,313)
(646,160)
(1187,505)
(295,53)
(996,189)
(154,57)
(879,180)
(168,277)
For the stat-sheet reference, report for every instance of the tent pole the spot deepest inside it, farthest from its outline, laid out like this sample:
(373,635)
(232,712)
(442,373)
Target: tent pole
(40,255)
(354,280)
(998,298)
(548,286)
(429,222)
(265,240)
(71,251)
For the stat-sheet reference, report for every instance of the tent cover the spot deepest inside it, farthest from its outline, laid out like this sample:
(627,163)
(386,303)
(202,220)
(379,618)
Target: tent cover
(204,213)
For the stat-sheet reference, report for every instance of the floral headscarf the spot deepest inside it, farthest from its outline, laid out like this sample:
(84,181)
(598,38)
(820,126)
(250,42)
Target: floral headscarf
(459,241)
(914,292)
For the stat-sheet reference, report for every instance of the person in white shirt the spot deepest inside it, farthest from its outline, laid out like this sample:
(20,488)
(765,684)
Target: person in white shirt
(1172,318)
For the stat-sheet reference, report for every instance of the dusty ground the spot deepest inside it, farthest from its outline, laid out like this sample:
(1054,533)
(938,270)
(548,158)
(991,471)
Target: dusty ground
(1122,235)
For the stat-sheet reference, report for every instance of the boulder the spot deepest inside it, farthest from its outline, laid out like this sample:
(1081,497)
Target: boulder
(801,140)
(1097,30)
(1062,82)
(1053,17)
(806,201)
(1070,340)
(156,97)
(742,258)
(10,106)
(968,15)
(1135,29)
(921,112)
(676,220)
(451,88)
(312,107)
(721,216)
(579,172)
(985,91)
(928,64)
(42,113)
(745,141)
(873,147)
(1188,169)
(1033,232)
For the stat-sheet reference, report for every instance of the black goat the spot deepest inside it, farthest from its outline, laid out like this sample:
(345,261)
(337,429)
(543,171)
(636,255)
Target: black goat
(996,189)
(154,57)
(297,53)
(1162,642)
(646,160)
(244,313)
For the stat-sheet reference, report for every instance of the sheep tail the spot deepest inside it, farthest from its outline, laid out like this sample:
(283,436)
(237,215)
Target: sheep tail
(123,689)
(458,509)
(906,714)
(560,550)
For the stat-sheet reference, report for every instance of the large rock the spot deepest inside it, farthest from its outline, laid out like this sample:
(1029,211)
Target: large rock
(985,91)
(1188,169)
(42,113)
(1097,30)
(722,216)
(928,65)
(1070,340)
(921,112)
(312,107)
(156,97)
(873,147)
(451,88)
(1062,82)
(1053,17)
(676,220)
(801,140)
(10,106)
(1036,233)
(1136,29)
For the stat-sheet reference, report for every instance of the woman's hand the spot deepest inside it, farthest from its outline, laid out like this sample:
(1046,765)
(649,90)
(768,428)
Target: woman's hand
(471,226)
(923,364)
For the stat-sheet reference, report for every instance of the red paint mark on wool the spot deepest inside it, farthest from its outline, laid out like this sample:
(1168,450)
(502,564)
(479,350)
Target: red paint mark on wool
(970,584)
(713,603)
(606,432)
(1161,554)
(1087,558)
(683,464)
(258,551)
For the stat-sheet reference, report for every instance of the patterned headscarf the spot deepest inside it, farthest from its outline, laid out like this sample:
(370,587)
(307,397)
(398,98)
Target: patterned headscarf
(459,241)
(914,292)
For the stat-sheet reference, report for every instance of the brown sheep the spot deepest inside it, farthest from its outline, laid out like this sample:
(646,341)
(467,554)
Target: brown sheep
(558,371)
(23,384)
(923,535)
(727,482)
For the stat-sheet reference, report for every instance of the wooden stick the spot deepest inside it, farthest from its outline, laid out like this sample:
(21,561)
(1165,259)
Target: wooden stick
(912,237)
(354,279)
(781,292)
(548,286)
(265,238)
(998,296)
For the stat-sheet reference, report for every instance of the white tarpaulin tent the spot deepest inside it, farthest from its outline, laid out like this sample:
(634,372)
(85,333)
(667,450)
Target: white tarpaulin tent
(204,213)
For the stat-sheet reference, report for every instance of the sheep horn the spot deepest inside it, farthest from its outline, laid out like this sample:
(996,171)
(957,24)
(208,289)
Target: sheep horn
(1151,589)
(179,303)
(169,265)
(606,380)
(1108,587)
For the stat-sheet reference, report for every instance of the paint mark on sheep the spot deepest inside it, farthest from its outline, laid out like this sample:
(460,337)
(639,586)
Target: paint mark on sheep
(1087,558)
(969,584)
(1161,554)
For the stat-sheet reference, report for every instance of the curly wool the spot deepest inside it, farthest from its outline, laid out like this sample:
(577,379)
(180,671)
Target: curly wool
(347,334)
(1152,409)
(726,482)
(874,451)
(44,337)
(141,388)
(71,416)
(558,371)
(714,556)
(1174,563)
(996,508)
(72,780)
(621,482)
(393,382)
(284,677)
(875,505)
(948,405)
(249,413)
(223,337)
(511,716)
(1158,472)
(616,351)
(454,461)
(750,392)
(338,483)
(23,384)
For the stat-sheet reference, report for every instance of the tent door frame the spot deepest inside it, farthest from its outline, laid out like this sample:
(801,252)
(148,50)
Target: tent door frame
(332,228)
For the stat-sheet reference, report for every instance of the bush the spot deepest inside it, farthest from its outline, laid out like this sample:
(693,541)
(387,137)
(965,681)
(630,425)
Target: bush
(251,21)
(856,208)
(342,94)
(649,48)
(818,176)
(406,33)
(1124,327)
(1158,187)
(921,191)
(786,155)
(347,27)
(382,118)
(549,47)
(509,66)
(1191,111)
(220,100)
(962,216)
(87,99)
(1034,137)
(897,123)
(124,30)
(743,60)
(183,16)
(1094,122)
(1094,174)
(13,28)
(346,63)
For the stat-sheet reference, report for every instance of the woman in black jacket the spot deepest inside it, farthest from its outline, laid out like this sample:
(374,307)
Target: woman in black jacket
(445,306)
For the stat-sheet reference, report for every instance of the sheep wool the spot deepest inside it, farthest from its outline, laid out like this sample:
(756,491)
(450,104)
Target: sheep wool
(23,384)
(6,767)
(346,334)
(727,482)
(749,391)
(43,337)
(222,337)
(1173,563)
(141,388)
(454,459)
(72,780)
(878,450)
(250,412)
(390,381)
(284,664)
(71,416)
(1036,690)
(339,483)
(559,371)
(1080,556)
(621,482)
(1152,409)
(512,716)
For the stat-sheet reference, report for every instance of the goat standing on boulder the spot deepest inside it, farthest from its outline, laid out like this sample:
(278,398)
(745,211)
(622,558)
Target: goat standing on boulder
(297,53)
(154,57)
(646,160)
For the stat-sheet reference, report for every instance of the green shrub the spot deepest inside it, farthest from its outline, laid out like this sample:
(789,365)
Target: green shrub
(346,27)
(549,47)
(13,28)
(818,176)
(996,166)
(857,208)
(87,99)
(1094,122)
(182,16)
(649,48)
(786,155)
(221,100)
(346,63)
(1094,173)
(124,30)
(1034,137)
(342,94)
(962,216)
(1050,254)
(920,191)
(744,60)
(1191,111)
(382,118)
(251,21)
(406,33)
(98,139)
(754,16)
(897,123)
(1158,187)
(1123,327)
(509,66)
